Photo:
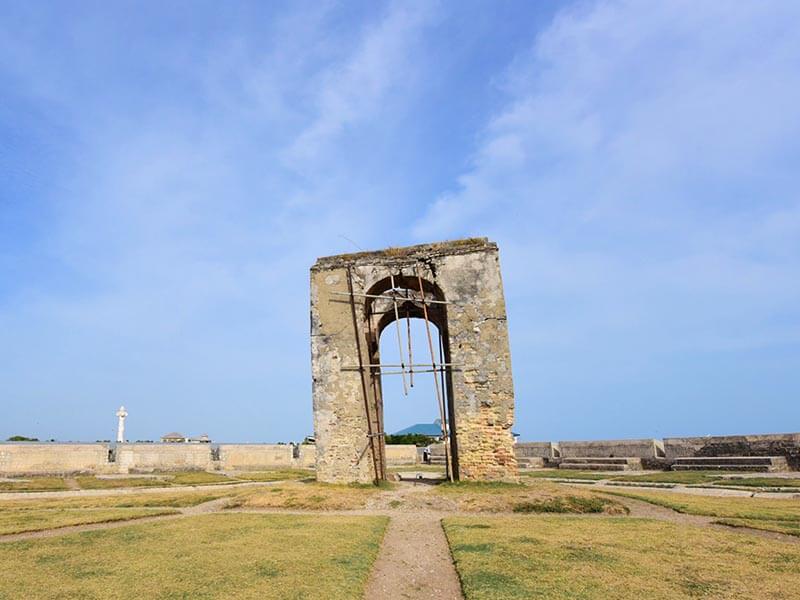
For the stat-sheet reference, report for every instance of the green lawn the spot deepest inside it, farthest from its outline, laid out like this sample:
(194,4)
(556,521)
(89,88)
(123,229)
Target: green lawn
(565,558)
(238,556)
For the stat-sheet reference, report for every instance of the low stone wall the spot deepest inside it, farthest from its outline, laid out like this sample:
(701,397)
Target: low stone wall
(546,450)
(401,454)
(646,448)
(162,457)
(254,457)
(775,444)
(308,456)
(30,458)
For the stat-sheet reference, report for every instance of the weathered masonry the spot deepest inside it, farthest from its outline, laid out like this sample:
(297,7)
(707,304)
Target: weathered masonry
(457,289)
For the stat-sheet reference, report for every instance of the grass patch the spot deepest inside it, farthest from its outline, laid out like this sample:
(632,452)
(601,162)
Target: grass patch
(563,557)
(533,496)
(95,483)
(721,506)
(24,520)
(34,484)
(275,475)
(787,527)
(565,504)
(422,468)
(140,500)
(210,556)
(565,474)
(682,477)
(760,482)
(308,495)
(199,478)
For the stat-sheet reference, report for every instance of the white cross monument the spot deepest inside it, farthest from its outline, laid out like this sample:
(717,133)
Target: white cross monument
(121,413)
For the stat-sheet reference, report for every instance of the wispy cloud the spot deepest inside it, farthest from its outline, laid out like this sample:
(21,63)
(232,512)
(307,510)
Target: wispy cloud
(639,177)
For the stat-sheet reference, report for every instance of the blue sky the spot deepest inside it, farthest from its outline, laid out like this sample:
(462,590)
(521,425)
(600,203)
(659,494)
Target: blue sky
(170,171)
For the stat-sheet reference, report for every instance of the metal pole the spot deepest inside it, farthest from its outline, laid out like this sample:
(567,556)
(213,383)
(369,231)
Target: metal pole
(379,474)
(399,338)
(384,296)
(446,439)
(410,355)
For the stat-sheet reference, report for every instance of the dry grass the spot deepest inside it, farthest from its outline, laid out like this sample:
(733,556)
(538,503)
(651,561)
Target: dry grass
(422,468)
(275,475)
(786,527)
(34,484)
(239,556)
(760,482)
(90,482)
(565,474)
(309,496)
(561,557)
(132,500)
(535,496)
(23,520)
(735,507)
(163,479)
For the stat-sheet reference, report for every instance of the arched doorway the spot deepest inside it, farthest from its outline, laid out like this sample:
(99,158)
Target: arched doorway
(456,288)
(407,316)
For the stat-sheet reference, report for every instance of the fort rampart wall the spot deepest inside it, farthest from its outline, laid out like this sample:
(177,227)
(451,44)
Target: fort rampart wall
(32,458)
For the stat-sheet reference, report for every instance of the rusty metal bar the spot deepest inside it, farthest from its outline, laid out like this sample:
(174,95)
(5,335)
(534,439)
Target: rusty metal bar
(410,355)
(396,366)
(445,437)
(336,293)
(379,474)
(399,339)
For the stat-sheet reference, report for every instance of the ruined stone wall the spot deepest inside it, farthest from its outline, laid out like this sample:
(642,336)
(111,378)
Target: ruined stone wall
(777,444)
(646,448)
(256,456)
(547,450)
(163,457)
(347,403)
(401,454)
(29,458)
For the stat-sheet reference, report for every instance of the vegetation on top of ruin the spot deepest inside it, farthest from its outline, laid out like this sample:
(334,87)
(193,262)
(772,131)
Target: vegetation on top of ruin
(417,439)
(418,251)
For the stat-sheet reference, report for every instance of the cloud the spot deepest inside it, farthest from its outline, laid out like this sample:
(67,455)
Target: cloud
(179,237)
(641,160)
(356,88)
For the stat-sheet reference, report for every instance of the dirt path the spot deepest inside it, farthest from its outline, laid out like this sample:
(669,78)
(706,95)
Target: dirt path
(414,561)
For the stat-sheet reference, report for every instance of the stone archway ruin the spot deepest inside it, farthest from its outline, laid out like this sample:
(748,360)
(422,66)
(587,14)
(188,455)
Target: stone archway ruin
(455,286)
